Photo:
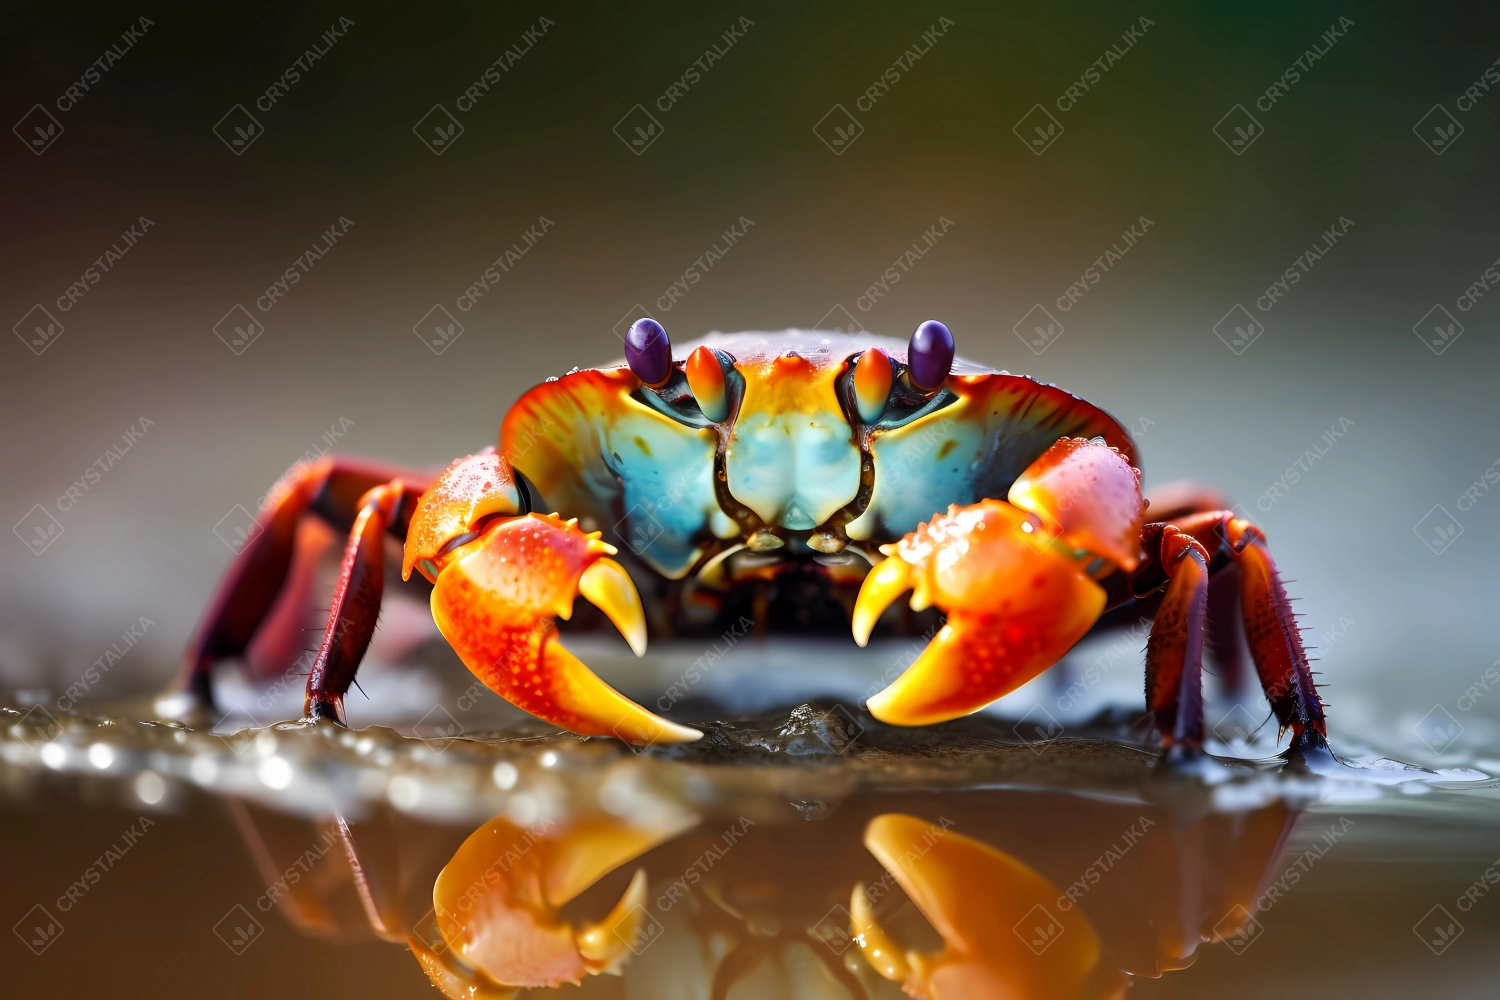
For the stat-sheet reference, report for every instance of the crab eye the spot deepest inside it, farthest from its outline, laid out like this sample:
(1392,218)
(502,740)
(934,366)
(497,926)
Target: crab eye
(872,384)
(929,356)
(705,376)
(649,352)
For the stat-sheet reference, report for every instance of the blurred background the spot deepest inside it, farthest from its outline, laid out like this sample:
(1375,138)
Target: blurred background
(609,148)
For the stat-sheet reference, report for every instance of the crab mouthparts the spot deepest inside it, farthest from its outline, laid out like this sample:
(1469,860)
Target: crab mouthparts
(766,553)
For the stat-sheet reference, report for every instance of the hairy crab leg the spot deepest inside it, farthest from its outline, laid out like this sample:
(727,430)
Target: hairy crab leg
(1174,653)
(356,599)
(1275,639)
(329,489)
(1271,629)
(1184,505)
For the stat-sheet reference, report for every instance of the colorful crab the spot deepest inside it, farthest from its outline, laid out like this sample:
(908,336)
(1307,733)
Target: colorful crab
(808,478)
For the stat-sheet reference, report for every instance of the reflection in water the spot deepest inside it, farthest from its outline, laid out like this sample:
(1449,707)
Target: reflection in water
(780,856)
(1015,893)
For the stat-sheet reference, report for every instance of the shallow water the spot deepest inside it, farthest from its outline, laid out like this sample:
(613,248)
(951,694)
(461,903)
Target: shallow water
(151,857)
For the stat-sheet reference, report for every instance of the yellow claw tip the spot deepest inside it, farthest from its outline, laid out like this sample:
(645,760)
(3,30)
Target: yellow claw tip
(608,587)
(883,955)
(882,586)
(604,944)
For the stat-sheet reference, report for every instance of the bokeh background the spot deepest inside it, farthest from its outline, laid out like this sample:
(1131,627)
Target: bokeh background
(1405,625)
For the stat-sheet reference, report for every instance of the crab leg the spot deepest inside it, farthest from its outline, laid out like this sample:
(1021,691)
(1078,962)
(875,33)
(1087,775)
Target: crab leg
(330,489)
(356,601)
(1271,629)
(1174,654)
(1273,634)
(1185,505)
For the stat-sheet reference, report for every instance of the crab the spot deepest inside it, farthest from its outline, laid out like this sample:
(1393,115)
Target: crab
(803,480)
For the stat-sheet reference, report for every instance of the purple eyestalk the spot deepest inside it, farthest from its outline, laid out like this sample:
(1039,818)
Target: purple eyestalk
(929,356)
(649,352)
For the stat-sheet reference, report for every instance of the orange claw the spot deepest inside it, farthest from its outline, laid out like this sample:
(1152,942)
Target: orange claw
(496,904)
(1014,579)
(470,490)
(1015,602)
(1004,934)
(1088,493)
(500,580)
(495,600)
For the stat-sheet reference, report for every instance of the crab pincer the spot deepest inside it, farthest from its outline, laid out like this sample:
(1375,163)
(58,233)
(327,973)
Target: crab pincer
(502,575)
(497,902)
(994,913)
(1017,580)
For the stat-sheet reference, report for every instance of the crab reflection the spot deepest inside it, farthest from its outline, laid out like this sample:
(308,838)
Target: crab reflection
(1023,894)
